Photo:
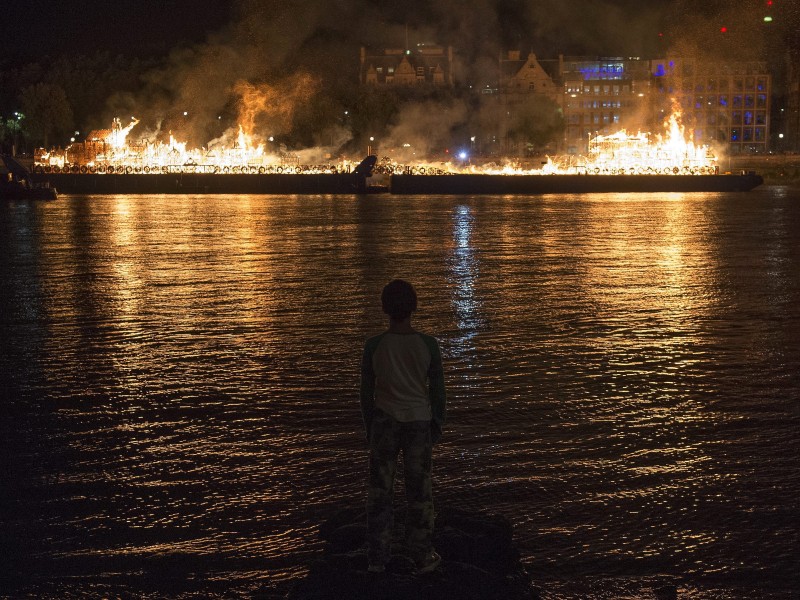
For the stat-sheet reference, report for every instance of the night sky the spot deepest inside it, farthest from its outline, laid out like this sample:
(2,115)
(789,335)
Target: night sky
(35,28)
(31,29)
(202,54)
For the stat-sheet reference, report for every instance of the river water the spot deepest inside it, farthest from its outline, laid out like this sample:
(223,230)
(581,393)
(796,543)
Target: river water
(179,385)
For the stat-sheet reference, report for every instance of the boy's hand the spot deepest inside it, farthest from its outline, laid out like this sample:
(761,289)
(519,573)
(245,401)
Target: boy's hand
(436,432)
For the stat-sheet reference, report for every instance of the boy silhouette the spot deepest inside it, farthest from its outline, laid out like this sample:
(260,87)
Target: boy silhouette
(403,405)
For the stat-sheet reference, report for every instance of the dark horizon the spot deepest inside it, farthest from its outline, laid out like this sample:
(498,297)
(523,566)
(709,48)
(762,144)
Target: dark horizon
(36,29)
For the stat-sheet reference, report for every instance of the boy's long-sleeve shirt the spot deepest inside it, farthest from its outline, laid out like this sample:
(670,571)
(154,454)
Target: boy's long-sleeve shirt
(401,374)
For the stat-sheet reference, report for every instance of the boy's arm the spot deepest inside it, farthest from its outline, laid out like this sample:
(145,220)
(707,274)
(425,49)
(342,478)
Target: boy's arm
(367,385)
(436,390)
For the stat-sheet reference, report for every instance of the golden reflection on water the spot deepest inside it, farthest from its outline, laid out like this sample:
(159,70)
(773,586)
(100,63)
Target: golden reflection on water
(201,357)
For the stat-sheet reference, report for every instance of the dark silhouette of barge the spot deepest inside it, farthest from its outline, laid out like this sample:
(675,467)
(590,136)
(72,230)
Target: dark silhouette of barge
(356,182)
(570,184)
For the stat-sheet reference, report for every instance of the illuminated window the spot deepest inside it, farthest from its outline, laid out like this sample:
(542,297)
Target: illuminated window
(737,101)
(761,101)
(761,84)
(748,117)
(723,99)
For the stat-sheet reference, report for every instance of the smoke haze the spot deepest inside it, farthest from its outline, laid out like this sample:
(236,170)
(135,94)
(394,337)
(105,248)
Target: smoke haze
(243,70)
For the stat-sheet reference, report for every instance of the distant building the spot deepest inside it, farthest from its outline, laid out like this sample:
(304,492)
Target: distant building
(400,67)
(520,76)
(791,139)
(602,96)
(723,104)
(519,105)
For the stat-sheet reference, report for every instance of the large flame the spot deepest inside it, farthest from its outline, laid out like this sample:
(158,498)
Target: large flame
(119,134)
(619,153)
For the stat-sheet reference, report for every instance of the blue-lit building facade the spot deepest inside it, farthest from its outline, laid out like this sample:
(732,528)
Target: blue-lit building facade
(724,105)
(602,96)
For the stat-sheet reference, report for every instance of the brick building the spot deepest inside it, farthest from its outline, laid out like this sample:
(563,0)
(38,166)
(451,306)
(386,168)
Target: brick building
(401,67)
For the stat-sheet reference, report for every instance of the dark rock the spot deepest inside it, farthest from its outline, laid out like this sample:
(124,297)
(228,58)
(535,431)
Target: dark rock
(479,562)
(347,537)
(343,517)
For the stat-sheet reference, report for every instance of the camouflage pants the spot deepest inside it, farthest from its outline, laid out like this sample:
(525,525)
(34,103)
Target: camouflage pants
(387,438)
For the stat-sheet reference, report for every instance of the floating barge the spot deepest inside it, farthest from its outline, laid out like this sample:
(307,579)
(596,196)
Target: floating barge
(354,183)
(206,183)
(570,184)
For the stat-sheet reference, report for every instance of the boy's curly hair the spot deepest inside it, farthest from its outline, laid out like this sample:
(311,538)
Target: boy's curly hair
(399,299)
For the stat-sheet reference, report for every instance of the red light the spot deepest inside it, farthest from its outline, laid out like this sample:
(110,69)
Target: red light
(769,2)
(723,29)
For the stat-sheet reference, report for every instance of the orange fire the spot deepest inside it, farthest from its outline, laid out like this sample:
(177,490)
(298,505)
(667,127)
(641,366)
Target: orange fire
(620,153)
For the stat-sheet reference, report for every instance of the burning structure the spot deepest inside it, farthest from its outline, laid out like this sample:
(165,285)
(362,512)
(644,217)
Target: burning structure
(619,162)
(109,151)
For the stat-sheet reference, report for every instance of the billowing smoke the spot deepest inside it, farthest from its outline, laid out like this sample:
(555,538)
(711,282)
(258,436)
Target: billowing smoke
(424,129)
(276,62)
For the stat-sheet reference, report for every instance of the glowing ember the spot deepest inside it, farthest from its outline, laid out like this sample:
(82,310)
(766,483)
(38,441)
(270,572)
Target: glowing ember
(620,153)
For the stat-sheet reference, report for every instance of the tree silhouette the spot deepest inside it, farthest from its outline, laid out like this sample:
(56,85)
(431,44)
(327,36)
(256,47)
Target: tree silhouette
(48,113)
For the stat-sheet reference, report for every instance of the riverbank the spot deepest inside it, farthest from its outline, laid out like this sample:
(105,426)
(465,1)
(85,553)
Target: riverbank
(776,169)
